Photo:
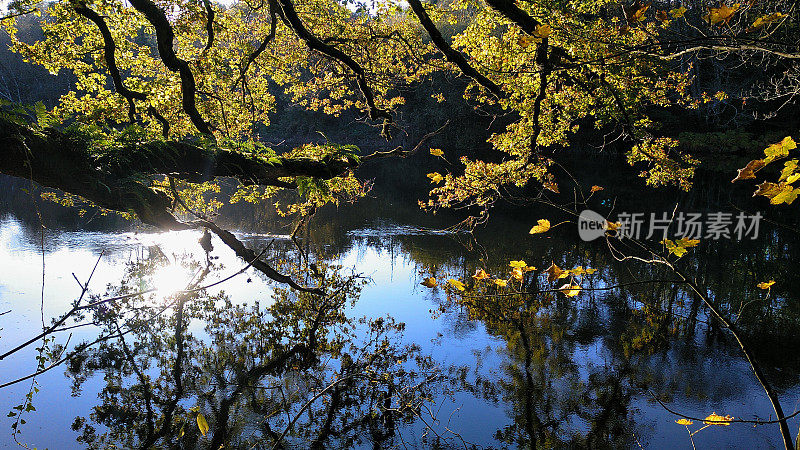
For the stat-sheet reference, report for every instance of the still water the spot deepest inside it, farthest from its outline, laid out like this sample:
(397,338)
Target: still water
(415,367)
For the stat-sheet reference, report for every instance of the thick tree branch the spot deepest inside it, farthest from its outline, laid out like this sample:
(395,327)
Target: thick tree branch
(452,55)
(165,38)
(315,43)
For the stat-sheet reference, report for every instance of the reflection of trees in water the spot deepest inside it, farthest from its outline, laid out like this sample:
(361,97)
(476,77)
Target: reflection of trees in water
(291,371)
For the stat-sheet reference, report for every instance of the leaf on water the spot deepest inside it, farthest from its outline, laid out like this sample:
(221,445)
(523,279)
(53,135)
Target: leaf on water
(716,419)
(596,188)
(766,284)
(457,284)
(202,424)
(521,264)
(437,152)
(749,171)
(429,282)
(480,274)
(686,422)
(543,226)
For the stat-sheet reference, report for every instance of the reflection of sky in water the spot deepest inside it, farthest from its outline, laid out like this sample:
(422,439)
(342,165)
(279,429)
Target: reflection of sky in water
(394,291)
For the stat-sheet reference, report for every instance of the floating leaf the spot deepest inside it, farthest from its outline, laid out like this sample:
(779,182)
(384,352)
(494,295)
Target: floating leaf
(435,177)
(543,226)
(766,284)
(685,422)
(457,284)
(437,152)
(429,282)
(716,419)
(596,188)
(521,264)
(480,274)
(202,424)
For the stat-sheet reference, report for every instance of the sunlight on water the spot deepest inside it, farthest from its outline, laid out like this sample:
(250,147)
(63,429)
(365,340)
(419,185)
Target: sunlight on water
(170,279)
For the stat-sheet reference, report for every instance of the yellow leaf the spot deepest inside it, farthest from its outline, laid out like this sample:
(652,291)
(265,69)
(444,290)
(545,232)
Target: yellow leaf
(766,284)
(686,242)
(429,282)
(749,171)
(684,422)
(457,284)
(722,14)
(677,12)
(524,41)
(202,424)
(500,283)
(793,178)
(543,31)
(554,272)
(435,177)
(613,226)
(437,152)
(636,12)
(521,264)
(716,419)
(597,188)
(480,274)
(542,227)
(551,186)
(780,149)
(517,273)
(570,290)
(766,20)
(591,271)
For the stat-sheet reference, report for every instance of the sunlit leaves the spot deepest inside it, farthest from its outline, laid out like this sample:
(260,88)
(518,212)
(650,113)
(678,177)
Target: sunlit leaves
(766,284)
(716,419)
(570,290)
(723,14)
(677,12)
(749,171)
(636,12)
(202,424)
(680,246)
(780,149)
(766,20)
(480,275)
(554,272)
(435,177)
(457,284)
(429,282)
(500,283)
(543,31)
(542,226)
(437,152)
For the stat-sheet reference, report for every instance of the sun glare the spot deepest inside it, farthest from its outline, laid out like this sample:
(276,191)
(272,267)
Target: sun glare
(170,279)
